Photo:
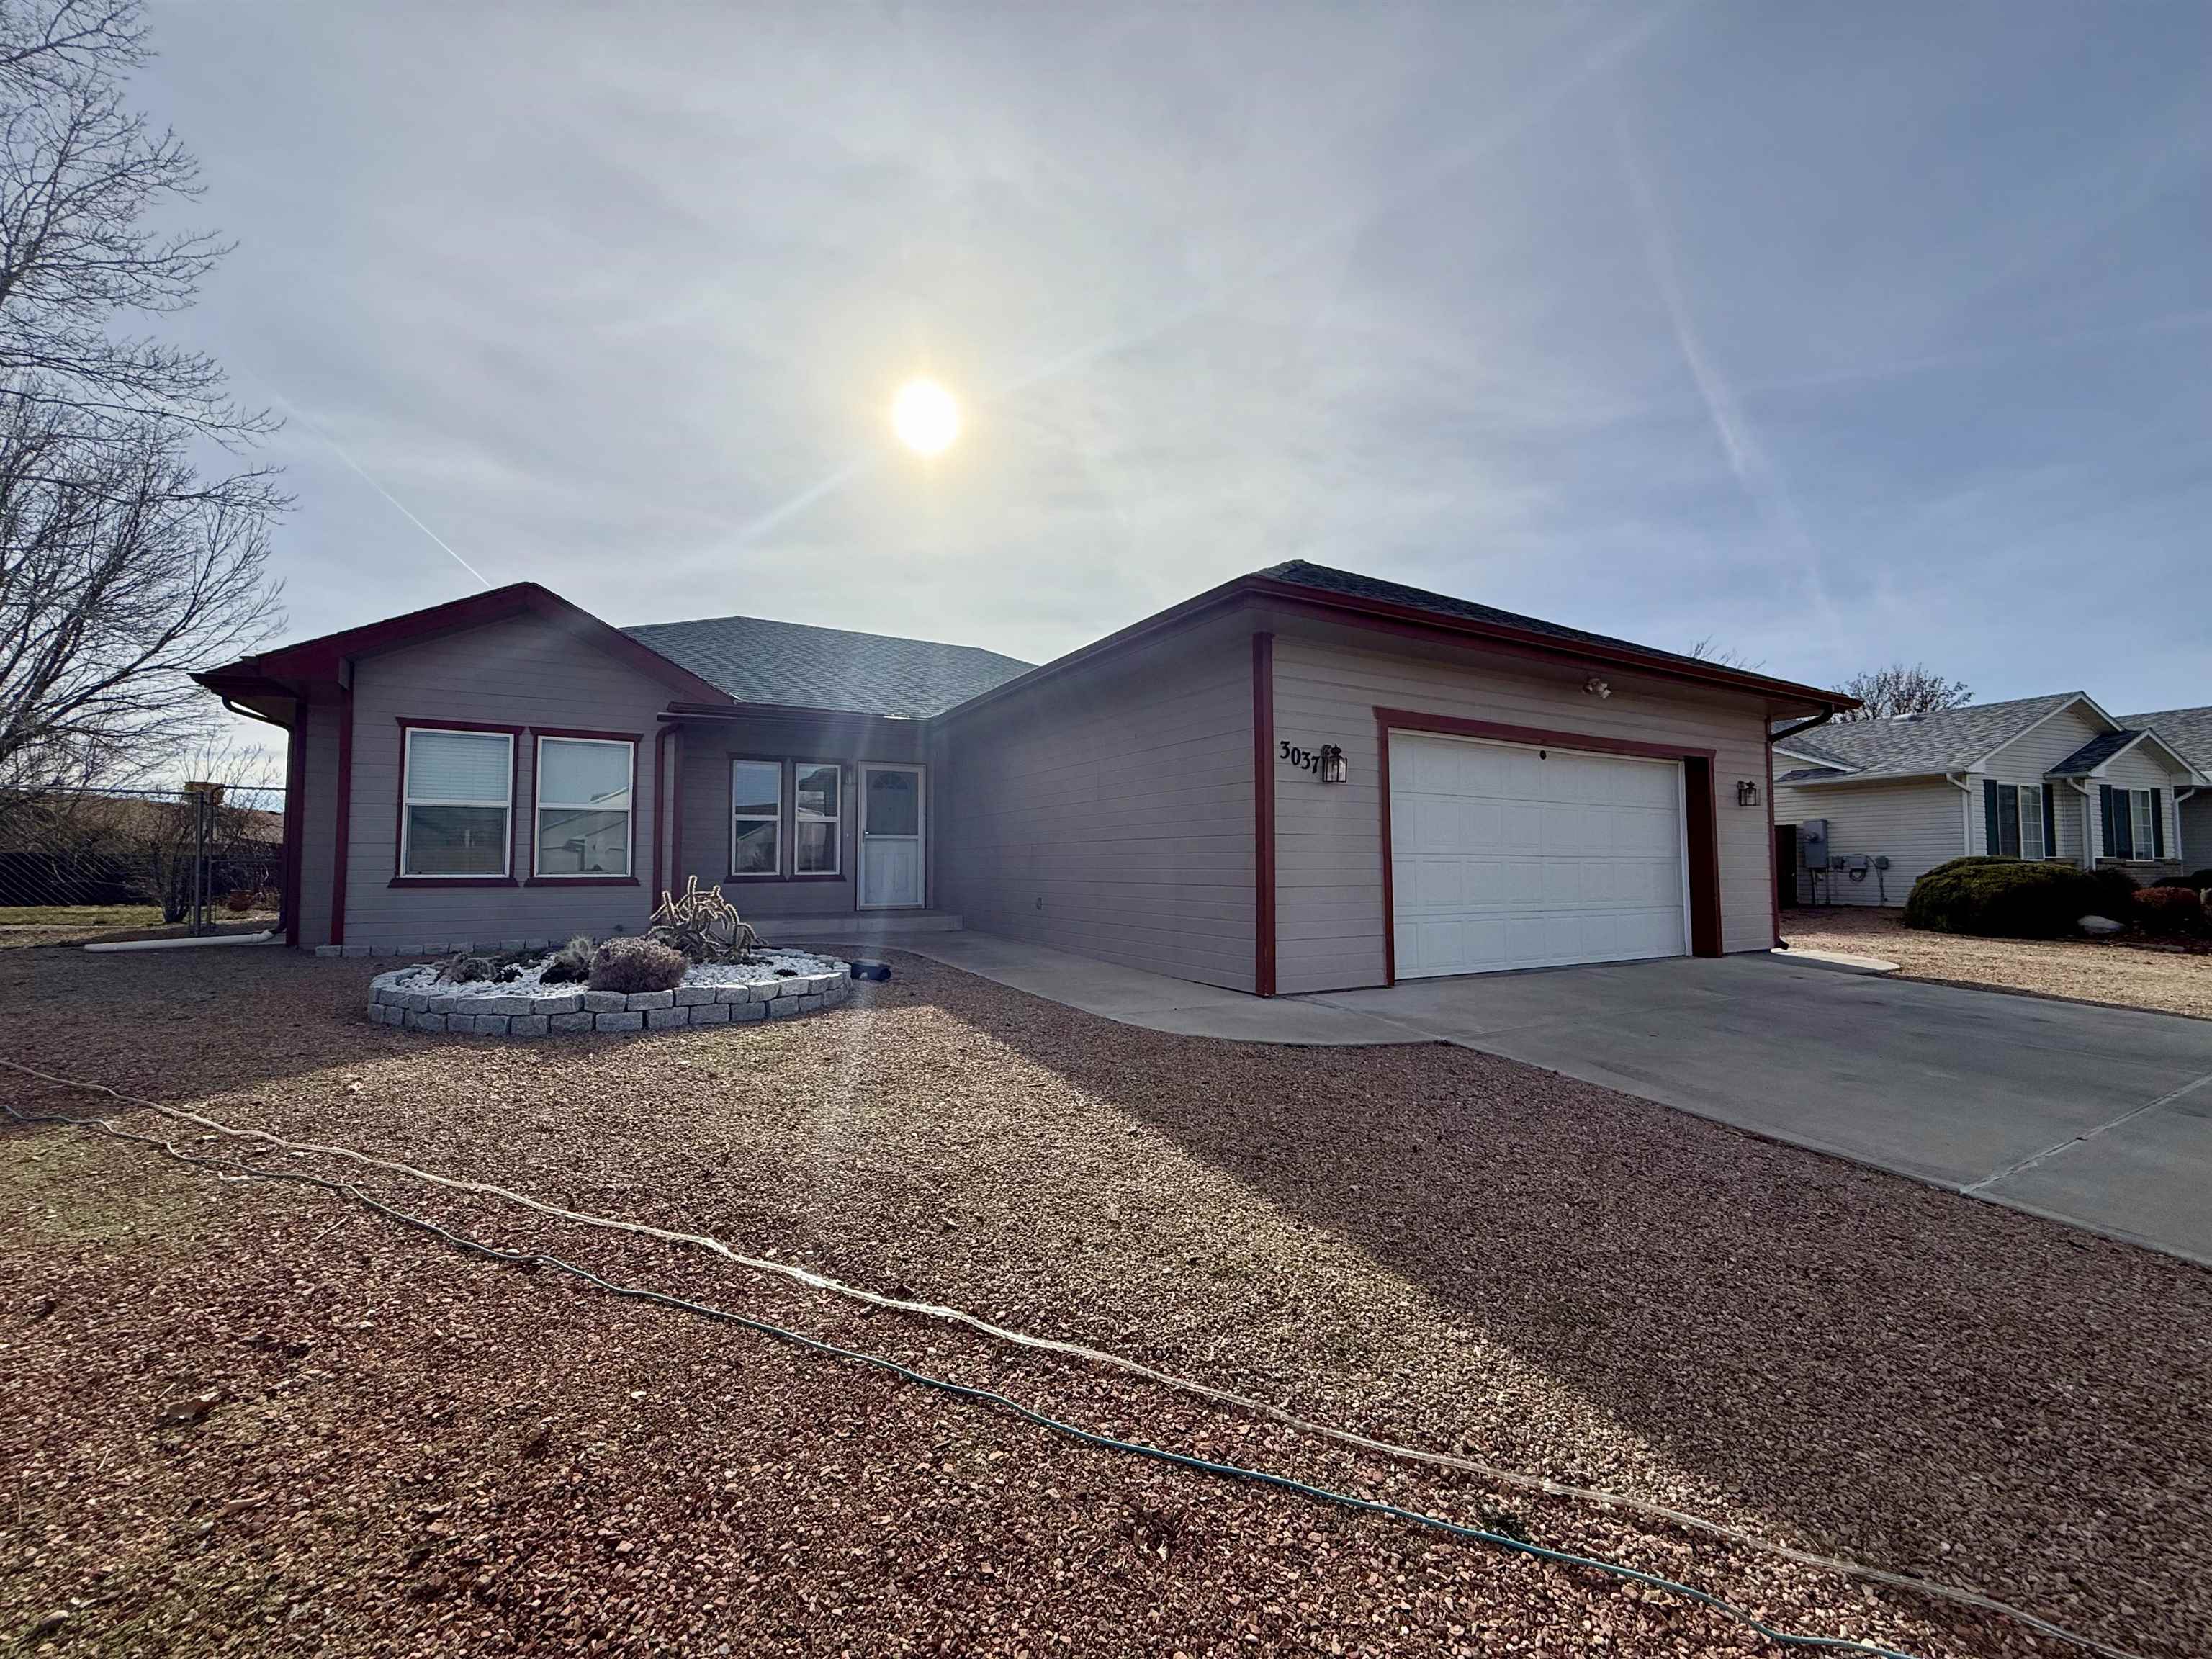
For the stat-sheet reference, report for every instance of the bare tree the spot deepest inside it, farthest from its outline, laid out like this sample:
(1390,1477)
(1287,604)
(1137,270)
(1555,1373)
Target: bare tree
(1709,649)
(1898,689)
(121,564)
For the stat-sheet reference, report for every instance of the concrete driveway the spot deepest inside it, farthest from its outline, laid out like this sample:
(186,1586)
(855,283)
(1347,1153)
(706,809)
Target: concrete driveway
(2098,1116)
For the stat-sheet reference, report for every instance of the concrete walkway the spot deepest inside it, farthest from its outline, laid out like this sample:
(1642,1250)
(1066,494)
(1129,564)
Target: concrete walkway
(2100,1117)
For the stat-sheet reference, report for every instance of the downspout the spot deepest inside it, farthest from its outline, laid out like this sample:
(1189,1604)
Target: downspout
(1957,781)
(2180,852)
(287,897)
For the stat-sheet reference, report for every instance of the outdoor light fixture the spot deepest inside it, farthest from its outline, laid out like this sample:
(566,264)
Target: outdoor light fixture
(1747,793)
(1333,768)
(1597,687)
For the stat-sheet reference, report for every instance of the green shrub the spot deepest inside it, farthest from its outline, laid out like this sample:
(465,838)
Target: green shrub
(2010,898)
(637,964)
(2169,910)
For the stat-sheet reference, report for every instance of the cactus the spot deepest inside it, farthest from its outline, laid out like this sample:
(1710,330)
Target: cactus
(704,926)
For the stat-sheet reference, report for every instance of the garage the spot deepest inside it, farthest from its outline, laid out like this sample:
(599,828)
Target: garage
(1513,855)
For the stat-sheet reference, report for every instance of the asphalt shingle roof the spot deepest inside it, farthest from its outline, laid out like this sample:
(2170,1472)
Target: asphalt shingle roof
(2187,730)
(1330,579)
(1950,740)
(2094,753)
(756,661)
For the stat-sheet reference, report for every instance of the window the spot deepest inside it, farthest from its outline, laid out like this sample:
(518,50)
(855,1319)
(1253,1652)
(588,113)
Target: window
(583,806)
(2131,827)
(2019,822)
(455,791)
(817,807)
(2139,817)
(755,817)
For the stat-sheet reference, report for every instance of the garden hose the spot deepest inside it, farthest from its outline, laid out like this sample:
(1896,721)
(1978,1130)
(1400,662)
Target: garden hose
(1518,1479)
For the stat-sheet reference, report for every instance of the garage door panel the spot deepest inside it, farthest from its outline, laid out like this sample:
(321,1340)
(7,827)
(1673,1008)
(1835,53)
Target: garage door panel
(1505,856)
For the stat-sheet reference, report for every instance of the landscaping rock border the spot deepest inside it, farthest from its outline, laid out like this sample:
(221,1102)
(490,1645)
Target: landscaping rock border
(537,1014)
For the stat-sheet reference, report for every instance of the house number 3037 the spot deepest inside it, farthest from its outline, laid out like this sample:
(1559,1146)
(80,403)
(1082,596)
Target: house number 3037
(1304,759)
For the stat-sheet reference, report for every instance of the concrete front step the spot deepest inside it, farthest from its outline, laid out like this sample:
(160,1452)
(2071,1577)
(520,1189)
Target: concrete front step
(859,924)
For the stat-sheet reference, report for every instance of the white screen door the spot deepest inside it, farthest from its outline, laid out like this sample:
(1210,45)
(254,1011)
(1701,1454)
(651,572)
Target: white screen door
(891,818)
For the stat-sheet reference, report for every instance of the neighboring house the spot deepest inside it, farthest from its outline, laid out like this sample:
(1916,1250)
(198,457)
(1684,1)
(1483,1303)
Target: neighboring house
(1304,778)
(2051,777)
(2189,731)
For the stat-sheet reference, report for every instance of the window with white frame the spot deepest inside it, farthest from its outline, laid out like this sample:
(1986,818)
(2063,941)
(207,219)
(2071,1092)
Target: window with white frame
(2146,839)
(2019,822)
(456,792)
(584,788)
(755,817)
(2131,831)
(817,811)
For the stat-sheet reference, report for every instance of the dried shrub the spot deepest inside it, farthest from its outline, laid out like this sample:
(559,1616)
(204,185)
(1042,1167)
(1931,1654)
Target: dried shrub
(571,963)
(637,964)
(462,969)
(704,926)
(2170,911)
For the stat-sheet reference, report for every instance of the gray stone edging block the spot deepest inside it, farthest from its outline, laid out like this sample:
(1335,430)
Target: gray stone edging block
(528,1014)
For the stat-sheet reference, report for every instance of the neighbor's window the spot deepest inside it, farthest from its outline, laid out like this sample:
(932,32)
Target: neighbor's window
(2020,821)
(817,809)
(454,797)
(2139,814)
(583,806)
(755,817)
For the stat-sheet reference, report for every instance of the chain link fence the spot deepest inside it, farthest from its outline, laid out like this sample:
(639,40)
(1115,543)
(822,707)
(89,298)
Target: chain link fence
(201,854)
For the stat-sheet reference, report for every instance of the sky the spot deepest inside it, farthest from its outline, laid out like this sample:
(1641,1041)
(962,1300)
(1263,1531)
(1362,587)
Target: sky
(1838,334)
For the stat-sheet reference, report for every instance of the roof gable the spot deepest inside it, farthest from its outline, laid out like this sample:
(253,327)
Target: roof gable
(321,659)
(2093,756)
(2188,731)
(1948,740)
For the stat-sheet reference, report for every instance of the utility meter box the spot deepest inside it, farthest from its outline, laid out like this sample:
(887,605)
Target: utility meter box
(1813,844)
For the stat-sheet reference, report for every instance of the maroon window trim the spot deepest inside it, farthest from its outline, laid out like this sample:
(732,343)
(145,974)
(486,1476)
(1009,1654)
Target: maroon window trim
(344,826)
(659,794)
(399,876)
(1701,826)
(1263,814)
(636,742)
(784,811)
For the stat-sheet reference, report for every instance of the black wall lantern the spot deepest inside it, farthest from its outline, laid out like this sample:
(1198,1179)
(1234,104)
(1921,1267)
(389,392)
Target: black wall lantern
(1333,769)
(1747,793)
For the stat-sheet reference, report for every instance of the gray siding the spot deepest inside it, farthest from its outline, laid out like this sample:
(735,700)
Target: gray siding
(522,671)
(2196,815)
(704,751)
(2030,756)
(1328,859)
(318,844)
(1916,824)
(1110,812)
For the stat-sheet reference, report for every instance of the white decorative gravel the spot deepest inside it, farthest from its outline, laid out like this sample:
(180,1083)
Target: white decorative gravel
(768,964)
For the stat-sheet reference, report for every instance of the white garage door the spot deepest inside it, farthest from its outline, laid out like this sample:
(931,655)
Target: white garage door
(1509,857)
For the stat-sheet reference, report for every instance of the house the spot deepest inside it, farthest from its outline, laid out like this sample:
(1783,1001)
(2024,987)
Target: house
(2049,777)
(1304,778)
(2189,731)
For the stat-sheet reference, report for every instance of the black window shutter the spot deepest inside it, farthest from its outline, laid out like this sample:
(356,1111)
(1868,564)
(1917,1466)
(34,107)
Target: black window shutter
(2049,822)
(2111,848)
(2157,823)
(1990,837)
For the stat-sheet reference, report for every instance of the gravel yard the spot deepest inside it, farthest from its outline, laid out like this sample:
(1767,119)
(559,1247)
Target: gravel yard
(2163,978)
(406,1450)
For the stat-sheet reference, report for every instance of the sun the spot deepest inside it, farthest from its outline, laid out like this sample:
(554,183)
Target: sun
(925,416)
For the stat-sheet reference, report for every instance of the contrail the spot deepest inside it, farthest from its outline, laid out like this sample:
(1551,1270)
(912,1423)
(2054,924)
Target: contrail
(1761,482)
(362,472)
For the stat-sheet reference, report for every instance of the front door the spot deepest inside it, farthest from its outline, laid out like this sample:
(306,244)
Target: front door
(891,816)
